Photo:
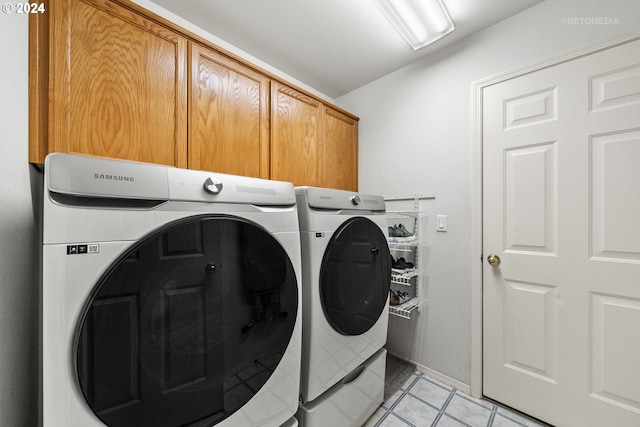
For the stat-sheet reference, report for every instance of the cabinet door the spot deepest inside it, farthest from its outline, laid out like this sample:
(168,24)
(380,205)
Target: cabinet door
(228,115)
(296,132)
(340,151)
(117,84)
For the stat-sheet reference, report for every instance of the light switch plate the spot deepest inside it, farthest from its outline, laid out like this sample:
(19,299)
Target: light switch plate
(441,223)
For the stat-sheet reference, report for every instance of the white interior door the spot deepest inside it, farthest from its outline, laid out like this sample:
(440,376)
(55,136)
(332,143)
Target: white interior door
(561,209)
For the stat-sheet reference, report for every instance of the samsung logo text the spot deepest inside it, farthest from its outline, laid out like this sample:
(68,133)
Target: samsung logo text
(108,177)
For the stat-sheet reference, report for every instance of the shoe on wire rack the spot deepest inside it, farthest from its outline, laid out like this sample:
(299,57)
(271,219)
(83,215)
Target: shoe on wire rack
(393,234)
(400,265)
(402,231)
(393,297)
(403,297)
(399,234)
(398,297)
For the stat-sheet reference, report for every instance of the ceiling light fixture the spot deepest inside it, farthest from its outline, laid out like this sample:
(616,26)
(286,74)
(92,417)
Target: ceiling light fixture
(420,22)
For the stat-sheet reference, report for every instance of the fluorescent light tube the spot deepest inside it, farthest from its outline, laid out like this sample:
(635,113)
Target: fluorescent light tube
(420,22)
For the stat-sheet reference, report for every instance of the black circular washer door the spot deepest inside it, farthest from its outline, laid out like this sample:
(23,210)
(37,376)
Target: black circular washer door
(355,276)
(187,325)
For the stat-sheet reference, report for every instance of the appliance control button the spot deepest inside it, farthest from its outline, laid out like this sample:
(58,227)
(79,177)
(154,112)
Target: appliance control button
(355,199)
(213,185)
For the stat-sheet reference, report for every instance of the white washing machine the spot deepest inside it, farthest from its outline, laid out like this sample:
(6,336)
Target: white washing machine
(346,276)
(170,297)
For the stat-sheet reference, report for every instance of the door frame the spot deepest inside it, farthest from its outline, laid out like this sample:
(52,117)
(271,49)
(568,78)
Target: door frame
(477,88)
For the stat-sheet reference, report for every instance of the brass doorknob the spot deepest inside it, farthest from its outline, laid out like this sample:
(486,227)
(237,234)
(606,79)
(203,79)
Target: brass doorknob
(493,260)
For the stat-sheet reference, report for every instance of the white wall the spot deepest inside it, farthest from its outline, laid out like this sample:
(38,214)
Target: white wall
(19,300)
(415,137)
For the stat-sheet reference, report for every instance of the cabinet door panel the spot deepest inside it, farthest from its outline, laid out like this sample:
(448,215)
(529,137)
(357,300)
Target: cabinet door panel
(118,84)
(228,115)
(296,132)
(340,151)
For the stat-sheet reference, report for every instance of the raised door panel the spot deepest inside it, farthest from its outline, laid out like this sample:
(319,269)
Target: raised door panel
(117,84)
(296,132)
(228,115)
(340,151)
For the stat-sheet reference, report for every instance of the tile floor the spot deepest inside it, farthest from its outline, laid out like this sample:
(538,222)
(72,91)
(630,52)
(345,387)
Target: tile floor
(423,401)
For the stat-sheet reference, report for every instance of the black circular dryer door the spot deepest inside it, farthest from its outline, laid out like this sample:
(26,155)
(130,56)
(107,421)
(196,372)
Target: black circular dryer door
(355,276)
(188,325)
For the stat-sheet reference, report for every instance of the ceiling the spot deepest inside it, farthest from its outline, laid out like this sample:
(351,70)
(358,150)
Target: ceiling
(333,46)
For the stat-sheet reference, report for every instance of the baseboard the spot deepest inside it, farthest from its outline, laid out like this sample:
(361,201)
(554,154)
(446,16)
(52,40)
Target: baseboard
(452,382)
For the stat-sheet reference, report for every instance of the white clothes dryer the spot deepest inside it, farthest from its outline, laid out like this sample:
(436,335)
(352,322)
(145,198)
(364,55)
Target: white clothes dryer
(170,297)
(346,277)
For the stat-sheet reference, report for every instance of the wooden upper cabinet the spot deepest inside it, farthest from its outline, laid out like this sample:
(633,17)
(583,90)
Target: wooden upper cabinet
(117,85)
(109,78)
(296,133)
(340,151)
(228,115)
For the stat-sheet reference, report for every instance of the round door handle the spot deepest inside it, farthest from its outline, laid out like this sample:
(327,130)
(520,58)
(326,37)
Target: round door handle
(494,260)
(210,268)
(375,250)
